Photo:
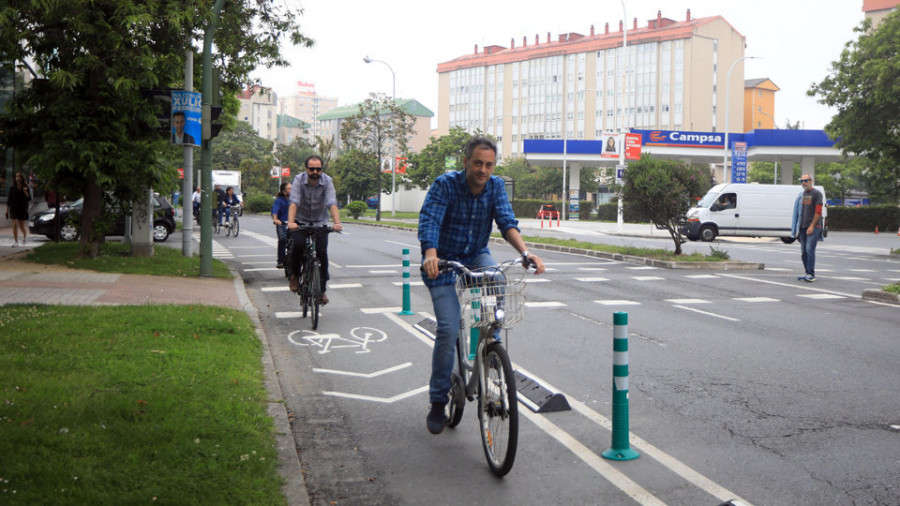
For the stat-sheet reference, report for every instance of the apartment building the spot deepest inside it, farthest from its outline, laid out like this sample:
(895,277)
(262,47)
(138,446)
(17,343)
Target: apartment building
(331,122)
(306,105)
(674,78)
(876,10)
(759,104)
(259,107)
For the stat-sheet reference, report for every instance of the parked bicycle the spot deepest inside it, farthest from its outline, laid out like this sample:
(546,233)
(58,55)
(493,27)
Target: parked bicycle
(310,271)
(491,298)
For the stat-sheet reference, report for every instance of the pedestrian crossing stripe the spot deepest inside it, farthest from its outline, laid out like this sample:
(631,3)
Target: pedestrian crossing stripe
(618,302)
(820,296)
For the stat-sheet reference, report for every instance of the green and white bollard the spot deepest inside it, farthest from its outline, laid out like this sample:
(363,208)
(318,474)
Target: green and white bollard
(406,302)
(621,448)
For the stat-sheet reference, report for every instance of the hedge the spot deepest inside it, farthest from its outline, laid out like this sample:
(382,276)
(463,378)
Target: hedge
(259,203)
(865,219)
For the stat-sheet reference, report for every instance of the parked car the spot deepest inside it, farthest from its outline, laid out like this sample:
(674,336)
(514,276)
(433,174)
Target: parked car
(548,211)
(41,223)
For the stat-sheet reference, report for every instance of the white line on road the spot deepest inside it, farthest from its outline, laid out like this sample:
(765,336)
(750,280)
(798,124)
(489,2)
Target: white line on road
(707,313)
(647,278)
(591,280)
(702,276)
(404,244)
(820,296)
(544,304)
(803,286)
(687,301)
(756,299)
(619,302)
(383,400)
(364,375)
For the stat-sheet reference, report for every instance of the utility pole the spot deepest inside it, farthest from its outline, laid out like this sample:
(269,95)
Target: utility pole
(205,153)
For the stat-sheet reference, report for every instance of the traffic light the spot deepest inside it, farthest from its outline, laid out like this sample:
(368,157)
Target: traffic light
(215,128)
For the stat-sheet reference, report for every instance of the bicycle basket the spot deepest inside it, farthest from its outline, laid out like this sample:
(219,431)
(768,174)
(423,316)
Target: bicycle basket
(489,289)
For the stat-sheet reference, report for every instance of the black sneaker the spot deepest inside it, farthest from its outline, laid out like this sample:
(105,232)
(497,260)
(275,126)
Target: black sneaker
(436,420)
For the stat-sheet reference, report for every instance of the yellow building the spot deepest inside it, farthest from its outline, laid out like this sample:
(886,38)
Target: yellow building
(759,104)
(675,76)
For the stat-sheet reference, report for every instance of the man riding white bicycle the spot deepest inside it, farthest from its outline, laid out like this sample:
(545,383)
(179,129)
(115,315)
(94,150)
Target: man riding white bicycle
(312,198)
(455,224)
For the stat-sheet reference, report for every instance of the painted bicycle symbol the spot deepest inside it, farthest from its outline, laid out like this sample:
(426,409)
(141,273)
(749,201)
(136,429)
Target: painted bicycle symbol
(360,337)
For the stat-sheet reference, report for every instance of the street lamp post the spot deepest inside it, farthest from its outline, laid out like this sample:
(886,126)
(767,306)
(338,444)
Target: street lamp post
(393,161)
(620,208)
(725,174)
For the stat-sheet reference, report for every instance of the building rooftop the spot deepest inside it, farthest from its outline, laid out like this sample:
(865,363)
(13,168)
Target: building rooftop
(656,30)
(411,106)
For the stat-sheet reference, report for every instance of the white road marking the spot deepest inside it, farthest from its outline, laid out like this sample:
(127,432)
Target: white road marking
(592,268)
(820,296)
(537,280)
(275,289)
(377,310)
(591,280)
(346,285)
(411,283)
(778,269)
(289,314)
(416,246)
(849,278)
(618,302)
(384,272)
(687,301)
(364,375)
(384,400)
(257,269)
(647,278)
(370,266)
(643,268)
(707,313)
(798,285)
(544,304)
(702,276)
(756,299)
(862,270)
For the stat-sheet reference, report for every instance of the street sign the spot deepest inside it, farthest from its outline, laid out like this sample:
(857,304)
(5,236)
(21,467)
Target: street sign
(620,174)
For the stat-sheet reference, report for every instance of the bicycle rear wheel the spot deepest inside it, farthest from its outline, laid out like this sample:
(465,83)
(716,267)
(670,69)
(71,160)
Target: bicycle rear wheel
(304,289)
(315,291)
(228,227)
(498,413)
(236,225)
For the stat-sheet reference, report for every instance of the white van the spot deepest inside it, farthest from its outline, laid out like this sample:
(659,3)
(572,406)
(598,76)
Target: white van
(744,210)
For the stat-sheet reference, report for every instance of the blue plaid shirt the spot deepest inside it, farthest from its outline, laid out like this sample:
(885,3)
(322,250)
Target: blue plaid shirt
(458,224)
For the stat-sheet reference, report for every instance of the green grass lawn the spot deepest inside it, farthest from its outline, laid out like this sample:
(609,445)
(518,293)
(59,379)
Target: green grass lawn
(116,257)
(131,405)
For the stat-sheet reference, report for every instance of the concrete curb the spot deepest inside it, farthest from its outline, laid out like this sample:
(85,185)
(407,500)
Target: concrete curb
(294,487)
(876,295)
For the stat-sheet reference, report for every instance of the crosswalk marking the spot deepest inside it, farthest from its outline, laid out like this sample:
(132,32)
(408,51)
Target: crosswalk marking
(618,302)
(591,280)
(544,304)
(820,296)
(687,301)
(702,276)
(756,299)
(647,278)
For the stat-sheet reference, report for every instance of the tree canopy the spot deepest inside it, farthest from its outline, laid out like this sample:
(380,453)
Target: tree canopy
(863,87)
(84,125)
(664,190)
(378,126)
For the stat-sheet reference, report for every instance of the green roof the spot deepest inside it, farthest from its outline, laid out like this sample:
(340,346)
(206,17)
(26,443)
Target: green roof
(411,106)
(291,122)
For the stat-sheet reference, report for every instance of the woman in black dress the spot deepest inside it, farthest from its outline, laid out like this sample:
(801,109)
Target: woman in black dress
(17,207)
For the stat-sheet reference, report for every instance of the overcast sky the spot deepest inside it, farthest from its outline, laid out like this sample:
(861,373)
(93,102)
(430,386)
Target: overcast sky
(796,39)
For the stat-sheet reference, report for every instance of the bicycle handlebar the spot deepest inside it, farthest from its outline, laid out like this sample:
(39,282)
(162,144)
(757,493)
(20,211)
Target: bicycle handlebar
(448,265)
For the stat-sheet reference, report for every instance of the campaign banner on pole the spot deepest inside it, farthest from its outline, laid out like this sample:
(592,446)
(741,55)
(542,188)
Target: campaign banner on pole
(187,113)
(611,145)
(739,163)
(632,146)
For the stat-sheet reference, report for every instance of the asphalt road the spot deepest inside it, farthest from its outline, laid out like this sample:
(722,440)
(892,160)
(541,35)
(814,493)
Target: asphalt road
(744,384)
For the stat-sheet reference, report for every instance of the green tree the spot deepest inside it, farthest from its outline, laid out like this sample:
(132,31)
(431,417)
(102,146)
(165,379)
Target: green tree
(352,172)
(664,190)
(234,146)
(378,126)
(432,161)
(84,124)
(293,154)
(839,178)
(862,86)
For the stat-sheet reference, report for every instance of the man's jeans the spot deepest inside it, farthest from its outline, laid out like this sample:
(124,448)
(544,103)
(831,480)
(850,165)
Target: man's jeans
(808,249)
(447,314)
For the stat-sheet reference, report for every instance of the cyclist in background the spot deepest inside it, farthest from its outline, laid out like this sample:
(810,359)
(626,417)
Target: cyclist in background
(220,197)
(312,199)
(280,219)
(455,224)
(229,200)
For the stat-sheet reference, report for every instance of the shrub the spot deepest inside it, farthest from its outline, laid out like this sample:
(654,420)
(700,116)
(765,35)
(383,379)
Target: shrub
(259,203)
(356,209)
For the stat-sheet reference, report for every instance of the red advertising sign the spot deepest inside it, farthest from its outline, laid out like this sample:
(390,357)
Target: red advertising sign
(632,146)
(285,172)
(180,173)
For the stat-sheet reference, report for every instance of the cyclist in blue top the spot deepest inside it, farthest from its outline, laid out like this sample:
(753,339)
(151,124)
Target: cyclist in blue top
(455,224)
(280,218)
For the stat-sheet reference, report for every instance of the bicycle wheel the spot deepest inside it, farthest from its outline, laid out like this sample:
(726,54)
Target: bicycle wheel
(315,291)
(228,227)
(498,413)
(236,225)
(304,289)
(457,401)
